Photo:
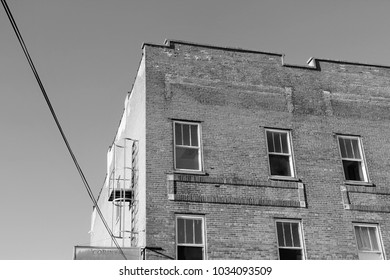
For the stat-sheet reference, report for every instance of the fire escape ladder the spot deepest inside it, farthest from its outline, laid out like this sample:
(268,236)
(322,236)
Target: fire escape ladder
(122,187)
(134,188)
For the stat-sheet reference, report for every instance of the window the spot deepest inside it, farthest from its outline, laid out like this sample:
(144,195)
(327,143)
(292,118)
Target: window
(189,238)
(187,152)
(279,153)
(353,158)
(368,242)
(289,240)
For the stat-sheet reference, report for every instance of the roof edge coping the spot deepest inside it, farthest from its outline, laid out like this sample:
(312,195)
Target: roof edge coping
(312,63)
(170,43)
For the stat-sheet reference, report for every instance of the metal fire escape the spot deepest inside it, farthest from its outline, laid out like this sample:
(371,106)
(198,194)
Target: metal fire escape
(123,191)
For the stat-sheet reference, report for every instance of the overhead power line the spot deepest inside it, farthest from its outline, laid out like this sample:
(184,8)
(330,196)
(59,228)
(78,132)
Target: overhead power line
(30,62)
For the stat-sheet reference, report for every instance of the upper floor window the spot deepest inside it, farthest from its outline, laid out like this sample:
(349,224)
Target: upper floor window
(187,142)
(280,153)
(190,244)
(352,156)
(368,242)
(289,240)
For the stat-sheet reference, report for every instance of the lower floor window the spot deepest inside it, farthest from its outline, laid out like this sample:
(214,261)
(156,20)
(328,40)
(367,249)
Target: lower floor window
(189,253)
(289,240)
(190,237)
(368,242)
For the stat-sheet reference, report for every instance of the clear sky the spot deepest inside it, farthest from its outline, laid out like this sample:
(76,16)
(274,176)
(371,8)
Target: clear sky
(87,53)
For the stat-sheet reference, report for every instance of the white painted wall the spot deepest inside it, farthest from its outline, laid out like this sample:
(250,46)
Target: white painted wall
(132,125)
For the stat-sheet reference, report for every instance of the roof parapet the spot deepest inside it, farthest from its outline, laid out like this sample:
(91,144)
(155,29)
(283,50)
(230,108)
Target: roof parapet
(309,66)
(312,63)
(170,44)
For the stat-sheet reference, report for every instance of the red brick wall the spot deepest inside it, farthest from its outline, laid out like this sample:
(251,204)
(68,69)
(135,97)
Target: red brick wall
(235,95)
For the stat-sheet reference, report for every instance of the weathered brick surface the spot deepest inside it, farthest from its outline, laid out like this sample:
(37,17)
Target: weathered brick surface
(236,95)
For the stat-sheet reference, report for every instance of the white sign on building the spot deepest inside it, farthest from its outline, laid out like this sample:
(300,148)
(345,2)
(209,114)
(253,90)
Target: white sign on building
(105,253)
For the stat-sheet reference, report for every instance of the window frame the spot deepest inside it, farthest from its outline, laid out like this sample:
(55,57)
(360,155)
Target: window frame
(199,147)
(190,217)
(378,236)
(290,154)
(364,169)
(301,236)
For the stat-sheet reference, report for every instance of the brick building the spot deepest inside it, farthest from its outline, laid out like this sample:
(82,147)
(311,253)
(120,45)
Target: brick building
(225,153)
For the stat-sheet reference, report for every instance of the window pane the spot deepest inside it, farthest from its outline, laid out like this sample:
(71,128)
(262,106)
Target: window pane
(270,142)
(180,231)
(178,135)
(189,228)
(348,147)
(374,241)
(277,142)
(353,170)
(194,135)
(358,238)
(279,229)
(342,148)
(187,158)
(295,232)
(355,148)
(189,253)
(198,231)
(364,239)
(290,254)
(280,165)
(287,234)
(283,137)
(186,134)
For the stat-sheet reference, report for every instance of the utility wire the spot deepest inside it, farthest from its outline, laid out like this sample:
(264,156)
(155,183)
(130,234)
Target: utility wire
(89,191)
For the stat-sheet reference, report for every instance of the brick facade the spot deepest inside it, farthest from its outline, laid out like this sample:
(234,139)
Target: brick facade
(235,95)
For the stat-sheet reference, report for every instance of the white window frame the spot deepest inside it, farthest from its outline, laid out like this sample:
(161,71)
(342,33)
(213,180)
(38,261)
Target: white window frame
(203,245)
(362,160)
(378,237)
(199,147)
(289,154)
(300,232)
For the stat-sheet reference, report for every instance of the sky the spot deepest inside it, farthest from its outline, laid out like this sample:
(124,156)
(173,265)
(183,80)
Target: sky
(87,53)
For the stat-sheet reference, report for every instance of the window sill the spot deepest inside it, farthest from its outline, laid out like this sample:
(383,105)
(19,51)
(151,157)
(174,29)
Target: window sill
(190,172)
(284,178)
(358,183)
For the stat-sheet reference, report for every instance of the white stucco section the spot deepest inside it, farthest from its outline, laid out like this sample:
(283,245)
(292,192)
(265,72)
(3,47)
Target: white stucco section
(131,129)
(136,129)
